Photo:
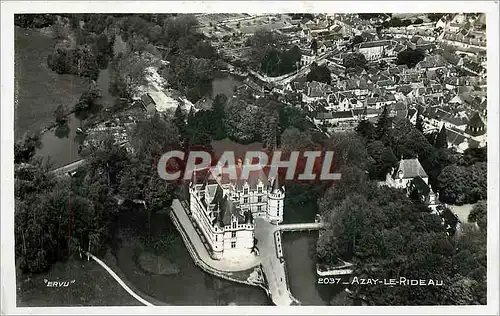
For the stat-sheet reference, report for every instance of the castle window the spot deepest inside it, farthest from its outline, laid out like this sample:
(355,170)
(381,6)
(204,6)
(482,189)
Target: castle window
(233,244)
(234,225)
(216,239)
(259,198)
(278,213)
(233,234)
(259,208)
(245,200)
(259,189)
(245,191)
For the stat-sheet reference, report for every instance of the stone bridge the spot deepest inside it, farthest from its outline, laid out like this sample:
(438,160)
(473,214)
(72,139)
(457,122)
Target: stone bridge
(301,226)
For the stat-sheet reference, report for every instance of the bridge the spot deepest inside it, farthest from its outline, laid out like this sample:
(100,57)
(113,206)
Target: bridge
(301,226)
(62,171)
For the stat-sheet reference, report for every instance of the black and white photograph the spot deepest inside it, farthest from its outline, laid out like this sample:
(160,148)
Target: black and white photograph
(265,157)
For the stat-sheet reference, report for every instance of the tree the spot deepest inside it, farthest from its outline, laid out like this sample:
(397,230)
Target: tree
(357,39)
(366,129)
(378,229)
(460,185)
(314,46)
(293,139)
(419,123)
(218,113)
(473,155)
(25,149)
(180,121)
(383,160)
(319,73)
(349,151)
(60,114)
(127,74)
(410,57)
(240,121)
(354,60)
(479,214)
(383,125)
(441,139)
(89,102)
(149,136)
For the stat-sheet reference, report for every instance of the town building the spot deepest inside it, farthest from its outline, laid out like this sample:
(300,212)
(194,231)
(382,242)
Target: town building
(411,176)
(373,50)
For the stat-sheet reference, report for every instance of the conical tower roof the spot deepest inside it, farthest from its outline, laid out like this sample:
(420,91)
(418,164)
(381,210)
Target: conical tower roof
(276,186)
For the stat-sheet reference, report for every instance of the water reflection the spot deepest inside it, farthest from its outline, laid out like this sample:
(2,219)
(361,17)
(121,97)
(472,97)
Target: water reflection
(62,130)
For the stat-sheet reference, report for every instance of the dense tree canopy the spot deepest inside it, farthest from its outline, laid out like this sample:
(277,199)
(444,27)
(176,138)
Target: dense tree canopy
(319,73)
(270,56)
(479,214)
(354,60)
(410,57)
(461,185)
(386,235)
(25,148)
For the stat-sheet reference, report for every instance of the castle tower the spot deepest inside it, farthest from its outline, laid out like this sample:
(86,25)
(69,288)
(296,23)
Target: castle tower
(275,201)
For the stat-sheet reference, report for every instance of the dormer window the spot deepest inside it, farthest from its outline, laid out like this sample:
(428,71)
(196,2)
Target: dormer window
(245,191)
(259,189)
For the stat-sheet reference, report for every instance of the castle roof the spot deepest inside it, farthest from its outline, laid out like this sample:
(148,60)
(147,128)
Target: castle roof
(476,121)
(421,186)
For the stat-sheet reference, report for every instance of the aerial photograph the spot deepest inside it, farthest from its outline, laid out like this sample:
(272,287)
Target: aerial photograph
(229,159)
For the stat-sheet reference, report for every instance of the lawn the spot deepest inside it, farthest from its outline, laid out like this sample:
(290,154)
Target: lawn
(463,211)
(93,286)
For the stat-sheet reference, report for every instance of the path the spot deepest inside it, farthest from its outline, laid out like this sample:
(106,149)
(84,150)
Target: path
(273,267)
(117,278)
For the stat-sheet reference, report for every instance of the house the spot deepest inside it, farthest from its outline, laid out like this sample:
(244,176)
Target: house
(308,57)
(411,176)
(340,121)
(315,91)
(342,101)
(418,188)
(224,210)
(147,103)
(437,117)
(451,221)
(407,169)
(431,63)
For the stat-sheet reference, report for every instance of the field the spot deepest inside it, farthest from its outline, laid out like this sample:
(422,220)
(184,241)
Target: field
(38,89)
(93,286)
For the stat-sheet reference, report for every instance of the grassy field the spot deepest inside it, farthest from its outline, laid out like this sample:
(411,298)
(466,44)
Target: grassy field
(39,91)
(93,286)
